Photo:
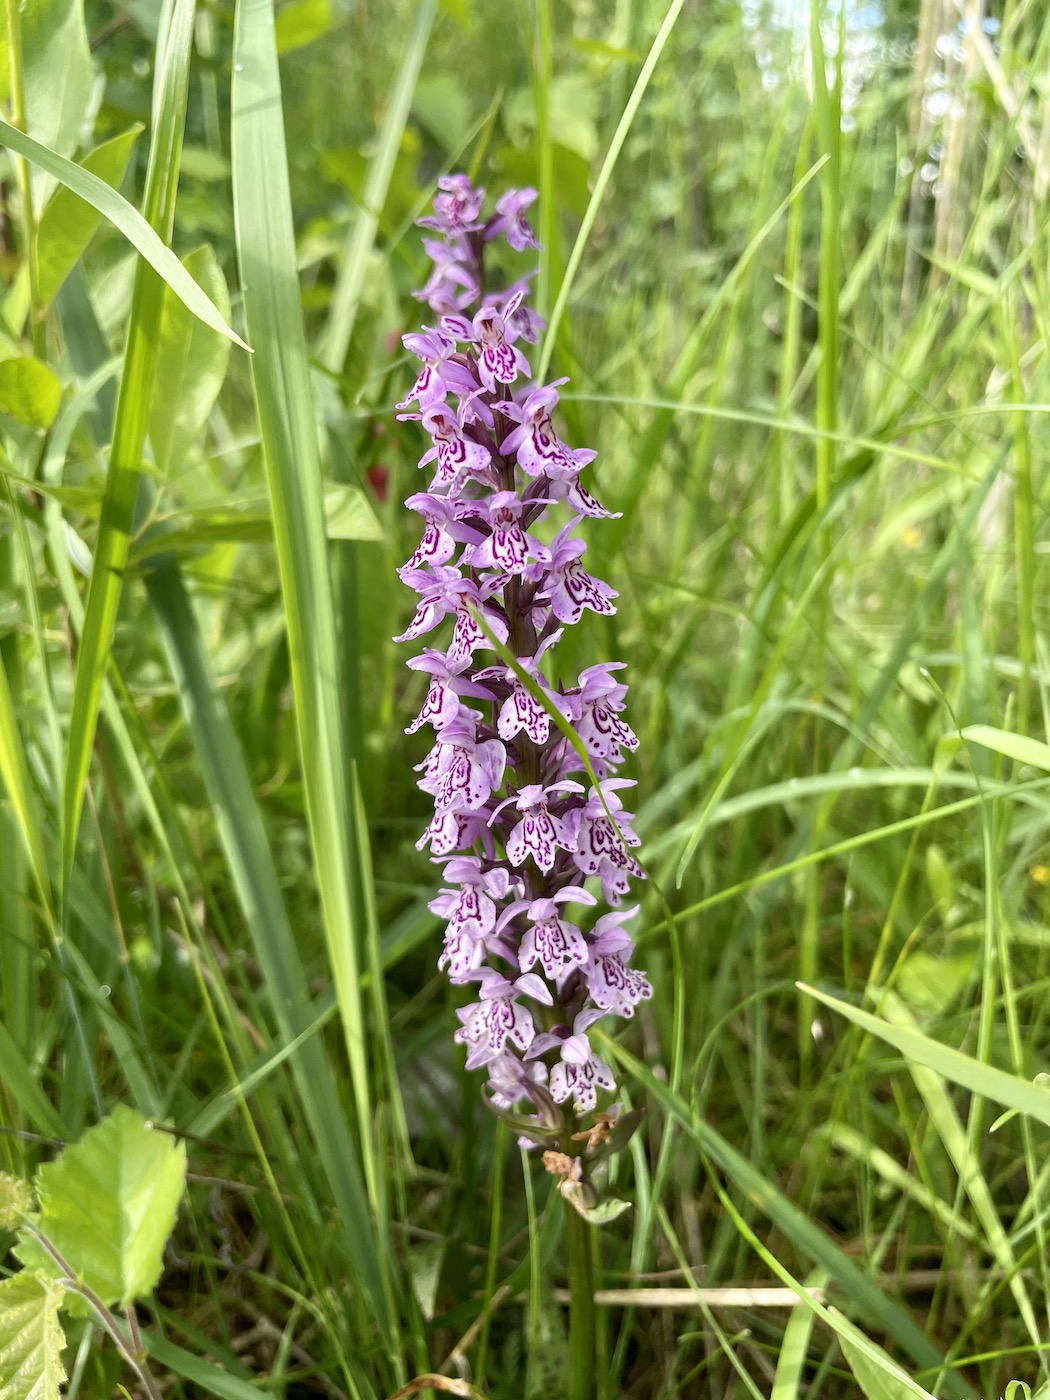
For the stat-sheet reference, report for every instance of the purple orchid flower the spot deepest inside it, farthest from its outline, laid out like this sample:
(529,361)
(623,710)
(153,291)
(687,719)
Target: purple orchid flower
(510,220)
(517,835)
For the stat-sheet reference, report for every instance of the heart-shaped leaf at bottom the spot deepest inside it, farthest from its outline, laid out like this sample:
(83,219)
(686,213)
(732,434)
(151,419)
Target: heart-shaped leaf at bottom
(108,1205)
(31,1338)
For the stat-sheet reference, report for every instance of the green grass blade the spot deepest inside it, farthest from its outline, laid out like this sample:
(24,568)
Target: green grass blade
(285,408)
(131,421)
(951,1064)
(126,218)
(862,1292)
(247,852)
(14,771)
(620,135)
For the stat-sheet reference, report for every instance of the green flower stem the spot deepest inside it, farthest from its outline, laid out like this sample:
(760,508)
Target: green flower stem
(582,1369)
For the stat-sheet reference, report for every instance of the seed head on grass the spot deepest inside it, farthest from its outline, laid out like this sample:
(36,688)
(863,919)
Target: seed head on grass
(518,830)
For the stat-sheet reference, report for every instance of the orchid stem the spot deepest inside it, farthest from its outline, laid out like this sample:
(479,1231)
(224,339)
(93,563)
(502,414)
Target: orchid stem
(582,1368)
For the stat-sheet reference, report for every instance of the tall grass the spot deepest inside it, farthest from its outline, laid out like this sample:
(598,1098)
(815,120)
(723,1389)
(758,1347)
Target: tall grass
(796,268)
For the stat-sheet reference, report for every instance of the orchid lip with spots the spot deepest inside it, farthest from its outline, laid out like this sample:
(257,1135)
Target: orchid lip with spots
(515,829)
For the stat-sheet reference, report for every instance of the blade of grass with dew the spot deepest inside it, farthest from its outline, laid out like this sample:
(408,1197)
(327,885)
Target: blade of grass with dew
(354,266)
(284,405)
(131,419)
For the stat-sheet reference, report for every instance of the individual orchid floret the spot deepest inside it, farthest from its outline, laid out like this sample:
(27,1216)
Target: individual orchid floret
(579,1072)
(439,376)
(471,912)
(510,219)
(600,848)
(450,831)
(467,770)
(499,361)
(539,833)
(507,547)
(443,530)
(442,591)
(457,455)
(524,322)
(614,986)
(511,1080)
(499,1016)
(448,687)
(453,284)
(521,711)
(565,583)
(456,208)
(537,446)
(595,712)
(550,940)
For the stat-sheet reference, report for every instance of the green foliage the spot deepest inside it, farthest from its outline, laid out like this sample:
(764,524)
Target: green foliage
(94,191)
(107,1206)
(31,1338)
(191,366)
(68,222)
(30,391)
(16,1201)
(876,1374)
(810,349)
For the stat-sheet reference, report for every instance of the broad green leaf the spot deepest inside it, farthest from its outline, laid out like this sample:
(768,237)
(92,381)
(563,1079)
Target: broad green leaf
(604,1213)
(949,1063)
(31,1338)
(68,222)
(1016,746)
(191,366)
(126,218)
(16,1200)
(302,22)
(878,1376)
(108,1204)
(30,391)
(348,513)
(58,75)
